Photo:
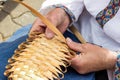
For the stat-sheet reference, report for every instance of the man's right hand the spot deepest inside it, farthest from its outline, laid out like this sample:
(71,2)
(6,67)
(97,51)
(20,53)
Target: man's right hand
(57,17)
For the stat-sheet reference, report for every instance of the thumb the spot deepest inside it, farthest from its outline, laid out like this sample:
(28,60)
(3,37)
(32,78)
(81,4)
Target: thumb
(73,45)
(49,34)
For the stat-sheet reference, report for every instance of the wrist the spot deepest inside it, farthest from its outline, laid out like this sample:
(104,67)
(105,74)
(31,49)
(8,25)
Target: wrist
(111,60)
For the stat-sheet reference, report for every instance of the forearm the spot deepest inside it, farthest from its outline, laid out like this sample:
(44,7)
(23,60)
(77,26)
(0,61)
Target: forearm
(111,60)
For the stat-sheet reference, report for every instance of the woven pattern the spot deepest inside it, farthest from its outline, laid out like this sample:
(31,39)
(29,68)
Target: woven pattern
(39,58)
(117,67)
(108,13)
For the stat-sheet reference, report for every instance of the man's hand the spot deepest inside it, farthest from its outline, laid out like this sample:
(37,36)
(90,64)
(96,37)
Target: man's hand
(57,17)
(91,57)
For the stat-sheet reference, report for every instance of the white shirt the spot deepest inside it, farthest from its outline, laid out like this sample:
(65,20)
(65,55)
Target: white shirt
(85,12)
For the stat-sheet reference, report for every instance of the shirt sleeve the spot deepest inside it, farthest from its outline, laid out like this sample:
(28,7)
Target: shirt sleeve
(74,6)
(117,67)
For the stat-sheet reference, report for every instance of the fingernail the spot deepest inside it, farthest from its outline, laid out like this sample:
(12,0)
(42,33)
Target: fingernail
(49,35)
(69,40)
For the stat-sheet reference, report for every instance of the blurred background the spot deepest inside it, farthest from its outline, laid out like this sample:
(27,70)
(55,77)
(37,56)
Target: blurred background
(14,16)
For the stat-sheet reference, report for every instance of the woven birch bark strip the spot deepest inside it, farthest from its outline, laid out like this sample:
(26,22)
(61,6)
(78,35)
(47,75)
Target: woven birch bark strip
(39,58)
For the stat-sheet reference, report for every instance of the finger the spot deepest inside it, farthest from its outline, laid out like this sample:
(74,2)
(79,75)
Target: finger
(49,34)
(75,62)
(73,45)
(38,26)
(62,28)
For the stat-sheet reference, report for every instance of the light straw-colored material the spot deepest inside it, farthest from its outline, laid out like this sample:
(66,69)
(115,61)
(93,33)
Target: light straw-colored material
(39,58)
(77,34)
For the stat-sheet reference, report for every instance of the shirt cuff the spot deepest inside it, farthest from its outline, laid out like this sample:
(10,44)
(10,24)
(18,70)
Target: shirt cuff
(70,14)
(117,67)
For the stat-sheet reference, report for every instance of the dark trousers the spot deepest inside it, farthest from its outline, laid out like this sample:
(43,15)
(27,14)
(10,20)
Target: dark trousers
(101,75)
